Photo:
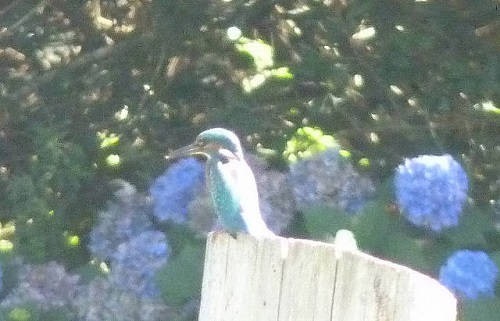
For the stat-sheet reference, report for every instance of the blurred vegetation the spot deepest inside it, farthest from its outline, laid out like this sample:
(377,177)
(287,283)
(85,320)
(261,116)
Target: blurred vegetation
(102,89)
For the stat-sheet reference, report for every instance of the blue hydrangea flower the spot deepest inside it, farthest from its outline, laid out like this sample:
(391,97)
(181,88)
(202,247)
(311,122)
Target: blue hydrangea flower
(135,263)
(175,189)
(431,191)
(469,274)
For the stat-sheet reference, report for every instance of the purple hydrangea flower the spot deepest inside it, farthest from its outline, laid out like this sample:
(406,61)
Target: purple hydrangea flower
(176,188)
(469,274)
(431,190)
(102,300)
(327,178)
(124,218)
(135,263)
(45,286)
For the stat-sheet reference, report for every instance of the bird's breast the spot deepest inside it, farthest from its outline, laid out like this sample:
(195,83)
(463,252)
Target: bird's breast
(234,193)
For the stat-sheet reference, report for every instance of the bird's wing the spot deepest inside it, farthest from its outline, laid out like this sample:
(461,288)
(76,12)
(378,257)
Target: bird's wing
(238,175)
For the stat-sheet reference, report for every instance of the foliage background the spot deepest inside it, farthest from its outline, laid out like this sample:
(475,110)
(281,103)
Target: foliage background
(91,91)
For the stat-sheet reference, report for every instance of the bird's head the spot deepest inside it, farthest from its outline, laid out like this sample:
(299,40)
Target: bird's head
(212,143)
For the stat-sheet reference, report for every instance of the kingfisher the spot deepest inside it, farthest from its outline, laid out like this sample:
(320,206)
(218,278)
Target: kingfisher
(230,181)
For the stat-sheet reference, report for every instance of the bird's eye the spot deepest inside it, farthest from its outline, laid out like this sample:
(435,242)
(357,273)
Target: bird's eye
(224,159)
(225,156)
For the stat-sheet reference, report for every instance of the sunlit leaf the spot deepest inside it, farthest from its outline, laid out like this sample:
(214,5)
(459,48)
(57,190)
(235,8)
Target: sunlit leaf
(488,107)
(113,160)
(364,162)
(282,73)
(6,246)
(306,142)
(109,141)
(262,53)
(19,314)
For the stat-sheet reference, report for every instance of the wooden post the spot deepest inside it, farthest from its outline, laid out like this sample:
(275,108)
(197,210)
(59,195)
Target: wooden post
(283,279)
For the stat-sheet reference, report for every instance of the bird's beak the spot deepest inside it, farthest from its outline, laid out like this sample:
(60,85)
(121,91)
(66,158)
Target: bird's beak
(186,151)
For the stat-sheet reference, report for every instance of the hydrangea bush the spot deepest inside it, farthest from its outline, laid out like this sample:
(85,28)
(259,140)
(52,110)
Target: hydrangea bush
(431,191)
(125,236)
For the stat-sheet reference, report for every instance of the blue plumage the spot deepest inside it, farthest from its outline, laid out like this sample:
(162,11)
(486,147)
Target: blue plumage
(230,181)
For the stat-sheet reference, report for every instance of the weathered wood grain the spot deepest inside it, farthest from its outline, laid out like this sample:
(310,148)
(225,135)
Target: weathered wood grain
(281,279)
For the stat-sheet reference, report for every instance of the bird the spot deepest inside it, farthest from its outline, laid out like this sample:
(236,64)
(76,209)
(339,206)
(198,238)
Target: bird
(230,181)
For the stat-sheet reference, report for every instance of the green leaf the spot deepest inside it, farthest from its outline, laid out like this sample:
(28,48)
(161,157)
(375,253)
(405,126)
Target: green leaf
(109,141)
(282,73)
(6,246)
(306,142)
(471,230)
(495,256)
(19,314)
(113,160)
(180,280)
(481,310)
(261,52)
(322,222)
(487,107)
(373,225)
(407,251)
